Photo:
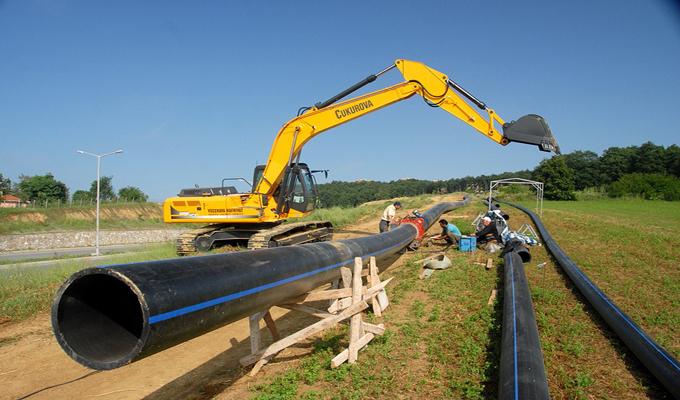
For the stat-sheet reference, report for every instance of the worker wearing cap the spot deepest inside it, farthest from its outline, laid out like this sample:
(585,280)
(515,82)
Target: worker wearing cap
(488,233)
(388,216)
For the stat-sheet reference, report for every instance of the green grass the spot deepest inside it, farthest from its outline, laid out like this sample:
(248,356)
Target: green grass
(26,293)
(112,216)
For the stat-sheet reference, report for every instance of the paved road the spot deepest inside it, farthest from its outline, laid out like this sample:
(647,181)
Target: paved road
(48,256)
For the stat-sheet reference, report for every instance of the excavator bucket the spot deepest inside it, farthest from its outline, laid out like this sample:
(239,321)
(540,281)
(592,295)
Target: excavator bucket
(531,129)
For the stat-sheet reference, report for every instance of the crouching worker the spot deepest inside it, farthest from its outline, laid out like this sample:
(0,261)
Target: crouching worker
(450,232)
(389,216)
(488,233)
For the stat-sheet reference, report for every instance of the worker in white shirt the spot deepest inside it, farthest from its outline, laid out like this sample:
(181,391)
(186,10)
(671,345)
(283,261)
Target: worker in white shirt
(388,216)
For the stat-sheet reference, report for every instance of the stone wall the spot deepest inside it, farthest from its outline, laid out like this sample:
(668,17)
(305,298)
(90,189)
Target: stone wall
(55,240)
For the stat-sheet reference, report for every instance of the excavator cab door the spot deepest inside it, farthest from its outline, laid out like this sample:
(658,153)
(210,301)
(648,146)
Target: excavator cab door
(531,129)
(298,191)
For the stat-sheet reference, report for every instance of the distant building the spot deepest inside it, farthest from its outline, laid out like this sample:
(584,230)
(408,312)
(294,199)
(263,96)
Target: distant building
(11,201)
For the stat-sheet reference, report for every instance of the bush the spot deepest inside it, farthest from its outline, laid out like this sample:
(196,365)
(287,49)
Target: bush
(647,186)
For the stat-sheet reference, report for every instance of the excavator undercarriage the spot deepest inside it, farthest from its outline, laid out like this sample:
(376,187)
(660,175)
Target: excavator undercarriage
(257,236)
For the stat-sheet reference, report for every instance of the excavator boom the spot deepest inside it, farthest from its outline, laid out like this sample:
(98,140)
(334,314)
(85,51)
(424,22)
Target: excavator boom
(284,188)
(435,87)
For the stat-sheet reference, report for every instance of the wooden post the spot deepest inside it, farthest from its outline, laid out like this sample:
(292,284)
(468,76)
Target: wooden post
(373,280)
(255,337)
(355,323)
(271,326)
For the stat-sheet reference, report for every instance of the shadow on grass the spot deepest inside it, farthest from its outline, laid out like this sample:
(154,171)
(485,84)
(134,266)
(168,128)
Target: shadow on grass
(493,349)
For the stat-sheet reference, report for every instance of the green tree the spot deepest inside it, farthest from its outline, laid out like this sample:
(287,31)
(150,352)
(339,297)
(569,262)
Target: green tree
(616,162)
(42,187)
(586,167)
(106,192)
(82,196)
(649,159)
(557,177)
(132,193)
(647,186)
(5,185)
(672,160)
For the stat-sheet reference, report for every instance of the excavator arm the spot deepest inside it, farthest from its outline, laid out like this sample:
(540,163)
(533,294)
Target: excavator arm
(435,87)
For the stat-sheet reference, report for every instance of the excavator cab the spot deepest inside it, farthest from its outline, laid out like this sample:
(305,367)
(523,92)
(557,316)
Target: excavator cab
(531,129)
(297,190)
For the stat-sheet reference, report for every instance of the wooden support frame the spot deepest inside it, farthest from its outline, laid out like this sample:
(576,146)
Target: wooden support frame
(346,302)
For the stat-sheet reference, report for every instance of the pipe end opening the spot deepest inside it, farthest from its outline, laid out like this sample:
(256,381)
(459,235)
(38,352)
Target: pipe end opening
(99,321)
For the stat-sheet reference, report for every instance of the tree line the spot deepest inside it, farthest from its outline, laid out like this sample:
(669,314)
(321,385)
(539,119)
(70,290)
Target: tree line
(648,171)
(46,188)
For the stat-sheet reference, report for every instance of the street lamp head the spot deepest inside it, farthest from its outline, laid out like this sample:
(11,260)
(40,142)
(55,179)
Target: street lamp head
(80,151)
(118,151)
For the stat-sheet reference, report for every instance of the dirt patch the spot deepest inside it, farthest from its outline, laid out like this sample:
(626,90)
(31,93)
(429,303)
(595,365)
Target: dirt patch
(28,217)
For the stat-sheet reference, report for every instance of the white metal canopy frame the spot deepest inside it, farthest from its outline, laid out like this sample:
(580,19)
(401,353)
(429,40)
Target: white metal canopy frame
(520,181)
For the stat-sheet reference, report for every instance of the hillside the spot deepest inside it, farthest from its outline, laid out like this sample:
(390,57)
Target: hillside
(112,216)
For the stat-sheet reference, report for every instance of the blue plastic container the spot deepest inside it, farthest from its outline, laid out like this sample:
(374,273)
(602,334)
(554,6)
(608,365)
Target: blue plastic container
(467,243)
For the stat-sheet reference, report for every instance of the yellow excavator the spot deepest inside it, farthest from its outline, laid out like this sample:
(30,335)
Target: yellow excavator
(284,188)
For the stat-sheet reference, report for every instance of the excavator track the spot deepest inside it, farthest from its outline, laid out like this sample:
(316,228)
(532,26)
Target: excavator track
(288,234)
(280,235)
(186,242)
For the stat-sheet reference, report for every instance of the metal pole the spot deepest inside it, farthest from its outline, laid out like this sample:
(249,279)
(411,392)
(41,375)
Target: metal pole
(490,193)
(99,159)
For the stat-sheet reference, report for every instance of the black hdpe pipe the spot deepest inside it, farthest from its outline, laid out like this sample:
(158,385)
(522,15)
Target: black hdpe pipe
(109,316)
(522,372)
(657,360)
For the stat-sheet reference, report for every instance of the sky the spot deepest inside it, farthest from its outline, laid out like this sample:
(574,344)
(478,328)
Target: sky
(194,92)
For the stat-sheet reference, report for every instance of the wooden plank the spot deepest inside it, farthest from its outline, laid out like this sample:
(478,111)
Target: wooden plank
(306,309)
(489,263)
(255,337)
(374,280)
(492,298)
(376,290)
(334,285)
(355,322)
(271,326)
(303,334)
(346,275)
(372,328)
(340,305)
(382,295)
(344,355)
(322,295)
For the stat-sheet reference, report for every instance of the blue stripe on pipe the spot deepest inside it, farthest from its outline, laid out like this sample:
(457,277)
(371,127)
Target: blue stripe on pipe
(200,306)
(514,330)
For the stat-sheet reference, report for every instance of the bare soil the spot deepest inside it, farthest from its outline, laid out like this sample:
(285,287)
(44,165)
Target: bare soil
(32,365)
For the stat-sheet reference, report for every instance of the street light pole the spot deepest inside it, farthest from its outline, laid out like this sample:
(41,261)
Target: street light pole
(99,161)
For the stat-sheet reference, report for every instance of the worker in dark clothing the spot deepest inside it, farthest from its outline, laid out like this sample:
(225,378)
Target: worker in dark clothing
(488,233)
